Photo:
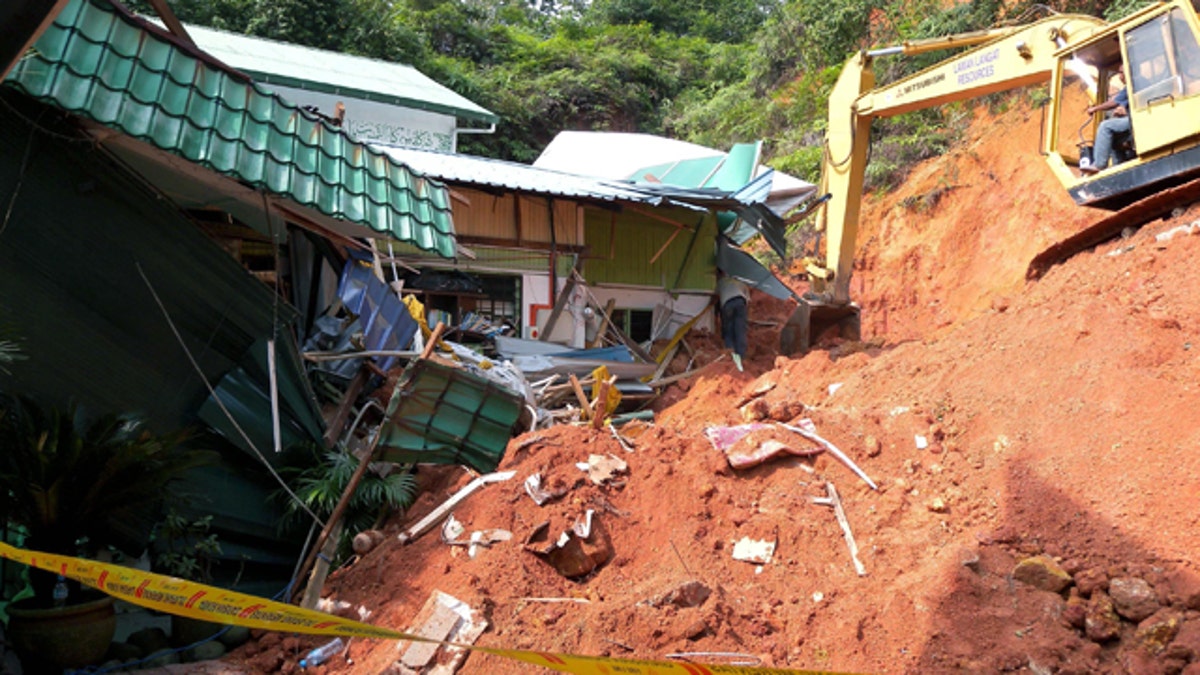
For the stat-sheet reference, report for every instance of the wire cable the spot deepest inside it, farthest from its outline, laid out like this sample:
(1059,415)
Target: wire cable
(212,392)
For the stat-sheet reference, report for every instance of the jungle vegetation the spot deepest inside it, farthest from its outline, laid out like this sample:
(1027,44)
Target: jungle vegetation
(714,72)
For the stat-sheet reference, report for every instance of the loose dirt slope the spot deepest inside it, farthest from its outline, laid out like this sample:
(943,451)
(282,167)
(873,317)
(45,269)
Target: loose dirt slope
(1062,421)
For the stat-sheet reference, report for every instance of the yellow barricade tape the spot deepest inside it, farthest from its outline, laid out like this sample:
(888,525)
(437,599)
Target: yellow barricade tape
(198,601)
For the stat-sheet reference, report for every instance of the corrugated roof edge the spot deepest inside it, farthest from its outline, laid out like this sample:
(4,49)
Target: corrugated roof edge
(480,115)
(268,78)
(458,168)
(377,165)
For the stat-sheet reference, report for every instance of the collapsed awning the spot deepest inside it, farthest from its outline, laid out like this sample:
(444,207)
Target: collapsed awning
(100,62)
(445,415)
(737,263)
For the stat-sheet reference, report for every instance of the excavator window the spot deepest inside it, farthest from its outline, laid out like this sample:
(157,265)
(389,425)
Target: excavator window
(1163,63)
(1186,53)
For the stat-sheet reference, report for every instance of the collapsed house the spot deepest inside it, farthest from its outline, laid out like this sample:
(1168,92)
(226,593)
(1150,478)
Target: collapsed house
(182,241)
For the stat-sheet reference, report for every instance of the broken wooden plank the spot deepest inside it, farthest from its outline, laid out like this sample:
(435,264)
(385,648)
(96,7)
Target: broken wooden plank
(600,411)
(318,357)
(625,444)
(559,305)
(683,376)
(840,513)
(338,423)
(669,354)
(609,307)
(437,628)
(583,399)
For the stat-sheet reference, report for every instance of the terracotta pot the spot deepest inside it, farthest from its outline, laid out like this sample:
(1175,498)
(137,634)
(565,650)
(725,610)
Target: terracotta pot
(49,640)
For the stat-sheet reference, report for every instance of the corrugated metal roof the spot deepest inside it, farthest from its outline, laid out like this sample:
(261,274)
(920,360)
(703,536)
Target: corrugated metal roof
(102,63)
(272,62)
(520,177)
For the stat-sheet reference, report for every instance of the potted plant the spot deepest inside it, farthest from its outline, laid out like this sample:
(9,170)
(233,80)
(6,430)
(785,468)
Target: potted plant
(187,548)
(74,487)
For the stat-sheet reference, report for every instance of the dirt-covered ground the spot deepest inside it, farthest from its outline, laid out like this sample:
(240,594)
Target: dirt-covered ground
(1061,421)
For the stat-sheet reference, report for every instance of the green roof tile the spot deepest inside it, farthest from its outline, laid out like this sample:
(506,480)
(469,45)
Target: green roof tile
(99,62)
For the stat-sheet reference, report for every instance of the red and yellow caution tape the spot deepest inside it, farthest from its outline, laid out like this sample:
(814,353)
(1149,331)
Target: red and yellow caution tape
(200,601)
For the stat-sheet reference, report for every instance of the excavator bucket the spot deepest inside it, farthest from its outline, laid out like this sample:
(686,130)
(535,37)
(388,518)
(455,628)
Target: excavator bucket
(810,321)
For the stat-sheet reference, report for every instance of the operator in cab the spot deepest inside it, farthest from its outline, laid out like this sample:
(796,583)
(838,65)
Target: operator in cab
(1111,129)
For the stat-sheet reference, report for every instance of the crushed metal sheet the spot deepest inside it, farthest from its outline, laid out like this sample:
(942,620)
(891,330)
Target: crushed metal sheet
(540,495)
(577,550)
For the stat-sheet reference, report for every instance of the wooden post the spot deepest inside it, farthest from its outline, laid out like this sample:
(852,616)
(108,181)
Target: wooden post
(583,399)
(601,403)
(608,310)
(356,478)
(316,580)
(559,305)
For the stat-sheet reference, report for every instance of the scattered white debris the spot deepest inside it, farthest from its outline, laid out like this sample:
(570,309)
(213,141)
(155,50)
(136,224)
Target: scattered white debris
(818,596)
(602,468)
(921,442)
(533,488)
(834,387)
(753,550)
(1193,228)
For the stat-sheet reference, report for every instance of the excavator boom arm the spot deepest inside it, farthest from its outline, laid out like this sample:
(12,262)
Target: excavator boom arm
(1002,59)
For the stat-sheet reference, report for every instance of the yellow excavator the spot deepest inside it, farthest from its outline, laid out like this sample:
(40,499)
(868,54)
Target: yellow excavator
(1081,57)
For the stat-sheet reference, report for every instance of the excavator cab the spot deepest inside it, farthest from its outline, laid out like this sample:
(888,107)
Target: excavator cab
(1159,50)
(1077,55)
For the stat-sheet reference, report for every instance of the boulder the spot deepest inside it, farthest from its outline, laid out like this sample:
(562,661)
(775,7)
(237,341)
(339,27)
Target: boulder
(1043,573)
(1101,623)
(1159,630)
(1133,598)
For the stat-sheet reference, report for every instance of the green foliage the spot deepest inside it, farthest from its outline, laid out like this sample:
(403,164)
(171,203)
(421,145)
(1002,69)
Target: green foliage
(69,480)
(186,547)
(320,487)
(714,72)
(731,21)
(1119,9)
(74,485)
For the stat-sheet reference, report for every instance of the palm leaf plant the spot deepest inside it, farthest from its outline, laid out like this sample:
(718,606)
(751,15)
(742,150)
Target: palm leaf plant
(77,486)
(378,493)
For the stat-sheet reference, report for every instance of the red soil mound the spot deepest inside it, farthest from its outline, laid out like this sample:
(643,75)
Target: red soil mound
(1060,418)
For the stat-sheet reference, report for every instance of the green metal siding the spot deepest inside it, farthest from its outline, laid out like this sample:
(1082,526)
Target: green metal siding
(73,253)
(100,63)
(72,294)
(638,238)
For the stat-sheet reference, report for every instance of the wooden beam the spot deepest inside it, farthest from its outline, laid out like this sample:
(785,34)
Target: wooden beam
(559,305)
(516,197)
(654,216)
(612,236)
(334,429)
(501,242)
(654,258)
(171,21)
(584,405)
(608,310)
(625,339)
